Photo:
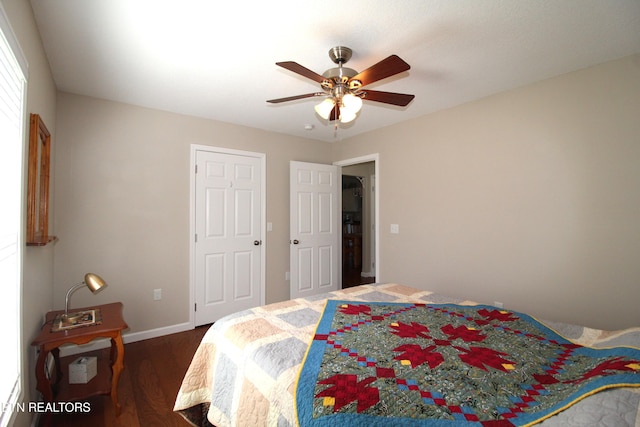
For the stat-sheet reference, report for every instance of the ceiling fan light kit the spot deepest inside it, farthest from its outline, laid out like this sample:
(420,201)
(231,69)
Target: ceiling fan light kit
(343,88)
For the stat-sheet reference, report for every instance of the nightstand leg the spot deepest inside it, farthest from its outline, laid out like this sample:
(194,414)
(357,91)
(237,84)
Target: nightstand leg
(43,384)
(117,365)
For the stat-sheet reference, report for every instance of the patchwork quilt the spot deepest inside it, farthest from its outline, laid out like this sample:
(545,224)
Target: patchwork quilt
(415,364)
(246,368)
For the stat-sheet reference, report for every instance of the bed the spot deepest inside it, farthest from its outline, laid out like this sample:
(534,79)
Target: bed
(250,368)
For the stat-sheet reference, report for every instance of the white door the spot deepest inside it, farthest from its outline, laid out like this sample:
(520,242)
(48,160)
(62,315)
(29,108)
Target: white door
(228,259)
(315,230)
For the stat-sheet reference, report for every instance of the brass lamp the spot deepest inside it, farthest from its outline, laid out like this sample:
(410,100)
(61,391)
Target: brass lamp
(92,281)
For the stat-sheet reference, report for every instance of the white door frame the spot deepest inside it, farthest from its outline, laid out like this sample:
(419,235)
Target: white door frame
(375,158)
(192,219)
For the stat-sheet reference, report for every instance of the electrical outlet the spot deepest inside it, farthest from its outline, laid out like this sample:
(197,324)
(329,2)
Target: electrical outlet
(157,294)
(498,304)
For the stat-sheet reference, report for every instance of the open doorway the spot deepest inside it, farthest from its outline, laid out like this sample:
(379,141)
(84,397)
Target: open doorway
(358,224)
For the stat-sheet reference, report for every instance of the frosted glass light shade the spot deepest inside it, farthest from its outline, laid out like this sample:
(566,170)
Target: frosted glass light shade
(352,103)
(347,115)
(324,108)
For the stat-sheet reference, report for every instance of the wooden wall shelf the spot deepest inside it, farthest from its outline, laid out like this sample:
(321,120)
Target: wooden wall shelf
(42,241)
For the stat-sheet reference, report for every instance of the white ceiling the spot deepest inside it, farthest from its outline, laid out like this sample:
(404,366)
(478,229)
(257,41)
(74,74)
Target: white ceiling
(216,59)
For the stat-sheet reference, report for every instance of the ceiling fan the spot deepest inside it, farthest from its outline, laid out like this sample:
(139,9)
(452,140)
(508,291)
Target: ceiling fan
(344,88)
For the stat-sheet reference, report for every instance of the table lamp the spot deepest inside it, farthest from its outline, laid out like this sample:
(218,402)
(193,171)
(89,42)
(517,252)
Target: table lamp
(92,281)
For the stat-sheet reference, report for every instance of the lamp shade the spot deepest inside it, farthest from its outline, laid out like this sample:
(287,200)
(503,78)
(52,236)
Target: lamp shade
(94,282)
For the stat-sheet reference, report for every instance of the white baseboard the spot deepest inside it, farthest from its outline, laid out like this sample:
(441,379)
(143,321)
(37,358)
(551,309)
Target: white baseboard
(69,350)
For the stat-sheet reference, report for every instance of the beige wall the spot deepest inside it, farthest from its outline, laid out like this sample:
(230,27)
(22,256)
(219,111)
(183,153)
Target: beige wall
(530,197)
(37,273)
(122,203)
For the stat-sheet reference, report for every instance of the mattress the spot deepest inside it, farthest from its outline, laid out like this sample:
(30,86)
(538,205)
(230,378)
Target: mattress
(244,371)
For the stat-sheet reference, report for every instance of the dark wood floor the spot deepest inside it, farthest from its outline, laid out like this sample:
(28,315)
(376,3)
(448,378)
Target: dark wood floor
(153,371)
(351,277)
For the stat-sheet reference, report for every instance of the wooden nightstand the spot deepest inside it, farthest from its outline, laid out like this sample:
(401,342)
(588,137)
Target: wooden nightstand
(106,380)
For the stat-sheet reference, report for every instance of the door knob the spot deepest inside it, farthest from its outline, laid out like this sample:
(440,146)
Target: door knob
(257,242)
(295,242)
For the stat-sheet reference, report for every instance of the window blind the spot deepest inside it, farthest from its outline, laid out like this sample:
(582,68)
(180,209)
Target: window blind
(12,125)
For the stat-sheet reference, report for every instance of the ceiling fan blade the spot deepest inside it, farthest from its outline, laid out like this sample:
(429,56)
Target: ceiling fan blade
(293,98)
(303,71)
(401,99)
(335,113)
(383,69)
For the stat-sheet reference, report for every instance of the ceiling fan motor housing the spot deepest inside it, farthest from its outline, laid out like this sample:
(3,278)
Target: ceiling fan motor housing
(339,73)
(338,77)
